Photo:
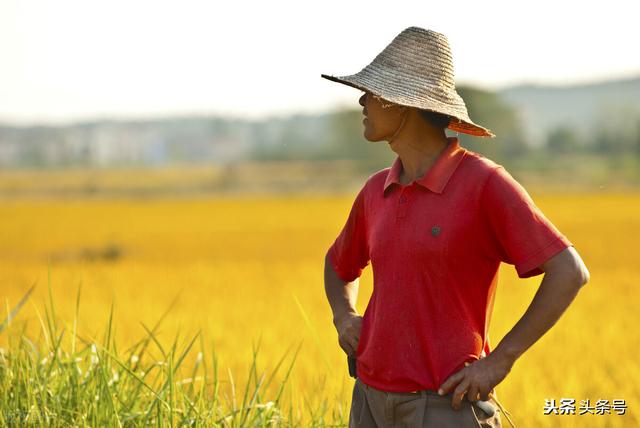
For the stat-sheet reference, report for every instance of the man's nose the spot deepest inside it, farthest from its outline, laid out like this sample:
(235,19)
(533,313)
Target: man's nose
(361,100)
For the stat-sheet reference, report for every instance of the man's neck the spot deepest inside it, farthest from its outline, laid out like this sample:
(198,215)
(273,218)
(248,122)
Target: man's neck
(417,156)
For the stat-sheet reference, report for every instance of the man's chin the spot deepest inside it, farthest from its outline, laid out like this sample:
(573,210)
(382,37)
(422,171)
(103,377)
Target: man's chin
(372,139)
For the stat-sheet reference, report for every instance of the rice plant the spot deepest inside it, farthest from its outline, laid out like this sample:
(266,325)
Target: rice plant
(65,378)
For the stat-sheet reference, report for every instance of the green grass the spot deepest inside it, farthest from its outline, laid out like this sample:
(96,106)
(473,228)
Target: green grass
(64,378)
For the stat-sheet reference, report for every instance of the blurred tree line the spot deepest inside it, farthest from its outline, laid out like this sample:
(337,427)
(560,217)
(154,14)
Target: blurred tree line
(613,135)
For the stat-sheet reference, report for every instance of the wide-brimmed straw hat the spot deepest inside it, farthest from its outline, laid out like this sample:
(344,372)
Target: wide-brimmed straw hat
(416,70)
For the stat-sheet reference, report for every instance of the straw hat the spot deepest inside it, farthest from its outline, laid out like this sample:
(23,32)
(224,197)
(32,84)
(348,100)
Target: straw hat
(416,70)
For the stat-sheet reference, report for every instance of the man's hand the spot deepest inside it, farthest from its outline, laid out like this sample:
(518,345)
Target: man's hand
(342,297)
(349,332)
(477,379)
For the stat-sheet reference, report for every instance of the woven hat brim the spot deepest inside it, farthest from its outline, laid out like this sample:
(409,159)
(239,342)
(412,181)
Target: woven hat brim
(463,124)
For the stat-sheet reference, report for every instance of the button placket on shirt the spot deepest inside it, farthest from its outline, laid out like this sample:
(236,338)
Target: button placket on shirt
(403,200)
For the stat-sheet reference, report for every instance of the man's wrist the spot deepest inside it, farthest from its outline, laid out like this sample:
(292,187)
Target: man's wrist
(506,354)
(338,317)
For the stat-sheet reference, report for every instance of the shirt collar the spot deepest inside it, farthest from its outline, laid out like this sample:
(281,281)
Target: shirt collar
(440,172)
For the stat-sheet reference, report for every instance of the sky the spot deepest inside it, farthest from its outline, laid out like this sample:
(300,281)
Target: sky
(71,60)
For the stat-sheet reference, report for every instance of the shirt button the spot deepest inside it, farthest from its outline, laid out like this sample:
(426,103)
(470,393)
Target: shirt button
(403,199)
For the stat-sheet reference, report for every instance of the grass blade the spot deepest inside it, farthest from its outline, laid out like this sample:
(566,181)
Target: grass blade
(11,315)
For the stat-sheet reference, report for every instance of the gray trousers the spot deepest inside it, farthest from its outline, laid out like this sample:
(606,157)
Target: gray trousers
(372,408)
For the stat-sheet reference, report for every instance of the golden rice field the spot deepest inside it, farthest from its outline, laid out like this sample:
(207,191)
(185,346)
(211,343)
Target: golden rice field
(244,270)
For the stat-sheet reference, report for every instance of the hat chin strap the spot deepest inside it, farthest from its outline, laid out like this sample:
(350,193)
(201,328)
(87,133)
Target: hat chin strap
(404,118)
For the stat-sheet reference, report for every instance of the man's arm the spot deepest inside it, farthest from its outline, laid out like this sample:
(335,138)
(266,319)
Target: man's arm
(342,298)
(565,274)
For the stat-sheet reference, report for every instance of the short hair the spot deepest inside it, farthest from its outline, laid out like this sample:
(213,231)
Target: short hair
(438,120)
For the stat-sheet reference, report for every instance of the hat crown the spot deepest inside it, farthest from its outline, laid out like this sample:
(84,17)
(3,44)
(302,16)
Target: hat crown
(421,53)
(416,70)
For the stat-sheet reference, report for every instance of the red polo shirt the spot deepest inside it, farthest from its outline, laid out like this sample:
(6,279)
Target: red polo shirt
(435,246)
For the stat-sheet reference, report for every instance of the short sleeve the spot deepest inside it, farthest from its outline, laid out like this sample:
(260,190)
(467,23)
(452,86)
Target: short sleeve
(349,254)
(520,233)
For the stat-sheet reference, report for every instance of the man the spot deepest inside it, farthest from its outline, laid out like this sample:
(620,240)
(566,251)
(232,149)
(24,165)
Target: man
(435,228)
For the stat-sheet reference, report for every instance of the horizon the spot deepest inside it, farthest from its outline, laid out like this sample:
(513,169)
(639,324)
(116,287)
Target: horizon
(152,117)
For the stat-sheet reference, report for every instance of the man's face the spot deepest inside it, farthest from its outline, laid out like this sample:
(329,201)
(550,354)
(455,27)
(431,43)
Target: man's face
(382,118)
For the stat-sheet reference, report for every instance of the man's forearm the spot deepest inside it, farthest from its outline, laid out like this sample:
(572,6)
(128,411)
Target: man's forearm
(555,294)
(342,295)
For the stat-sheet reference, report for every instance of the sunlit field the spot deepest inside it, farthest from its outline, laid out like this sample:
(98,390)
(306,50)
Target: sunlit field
(238,274)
